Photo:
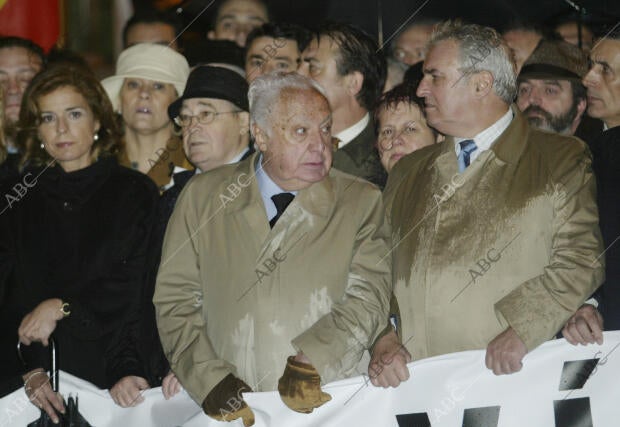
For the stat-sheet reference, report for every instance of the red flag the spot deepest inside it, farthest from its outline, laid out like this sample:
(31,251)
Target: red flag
(37,20)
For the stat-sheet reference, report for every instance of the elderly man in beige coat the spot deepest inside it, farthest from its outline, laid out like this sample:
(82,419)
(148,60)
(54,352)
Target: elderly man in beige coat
(235,298)
(495,230)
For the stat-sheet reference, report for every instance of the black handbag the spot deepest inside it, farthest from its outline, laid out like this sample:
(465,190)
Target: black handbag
(72,416)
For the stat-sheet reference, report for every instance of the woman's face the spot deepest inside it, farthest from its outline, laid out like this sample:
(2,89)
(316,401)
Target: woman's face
(144,104)
(67,127)
(402,130)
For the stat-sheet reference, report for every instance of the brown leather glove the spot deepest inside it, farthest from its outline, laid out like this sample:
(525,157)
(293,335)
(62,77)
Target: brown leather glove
(300,387)
(225,403)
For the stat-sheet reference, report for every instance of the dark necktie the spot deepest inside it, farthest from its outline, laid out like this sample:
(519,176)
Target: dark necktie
(281,200)
(467,147)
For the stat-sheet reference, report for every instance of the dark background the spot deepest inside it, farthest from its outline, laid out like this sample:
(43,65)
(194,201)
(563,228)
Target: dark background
(365,13)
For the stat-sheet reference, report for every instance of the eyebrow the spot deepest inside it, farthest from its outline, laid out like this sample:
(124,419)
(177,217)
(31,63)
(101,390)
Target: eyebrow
(77,107)
(553,83)
(233,16)
(603,63)
(327,120)
(430,71)
(200,103)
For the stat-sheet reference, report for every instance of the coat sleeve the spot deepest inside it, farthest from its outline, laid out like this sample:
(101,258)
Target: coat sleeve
(539,307)
(335,343)
(178,303)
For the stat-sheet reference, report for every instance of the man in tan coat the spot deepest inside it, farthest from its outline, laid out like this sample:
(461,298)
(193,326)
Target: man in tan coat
(235,298)
(495,230)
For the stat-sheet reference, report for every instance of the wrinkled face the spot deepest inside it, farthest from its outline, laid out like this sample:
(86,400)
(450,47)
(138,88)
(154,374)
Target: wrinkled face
(67,127)
(603,82)
(144,104)
(17,67)
(410,46)
(548,104)
(447,93)
(319,64)
(154,32)
(235,20)
(522,43)
(208,146)
(297,150)
(266,55)
(402,130)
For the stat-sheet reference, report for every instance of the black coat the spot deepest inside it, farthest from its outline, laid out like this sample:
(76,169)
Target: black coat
(81,237)
(606,164)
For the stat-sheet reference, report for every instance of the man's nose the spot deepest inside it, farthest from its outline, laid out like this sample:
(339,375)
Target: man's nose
(422,89)
(589,80)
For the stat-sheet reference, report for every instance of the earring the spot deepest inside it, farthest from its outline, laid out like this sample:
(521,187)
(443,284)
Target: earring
(96,137)
(42,146)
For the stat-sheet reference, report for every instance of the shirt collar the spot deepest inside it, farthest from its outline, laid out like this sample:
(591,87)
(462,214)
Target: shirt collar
(268,188)
(488,136)
(350,133)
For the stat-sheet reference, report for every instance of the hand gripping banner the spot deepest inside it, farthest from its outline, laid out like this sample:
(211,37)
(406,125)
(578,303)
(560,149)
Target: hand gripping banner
(560,385)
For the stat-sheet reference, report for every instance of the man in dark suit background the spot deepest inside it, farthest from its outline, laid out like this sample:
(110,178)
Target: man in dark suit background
(346,63)
(603,85)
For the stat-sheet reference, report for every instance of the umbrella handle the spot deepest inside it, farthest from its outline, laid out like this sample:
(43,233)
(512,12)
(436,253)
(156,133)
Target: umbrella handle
(53,361)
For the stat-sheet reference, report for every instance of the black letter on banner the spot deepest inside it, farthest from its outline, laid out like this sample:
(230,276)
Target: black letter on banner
(573,412)
(413,420)
(575,373)
(481,417)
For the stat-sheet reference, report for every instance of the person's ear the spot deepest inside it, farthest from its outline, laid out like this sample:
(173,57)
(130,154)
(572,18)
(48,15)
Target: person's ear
(482,83)
(354,82)
(581,108)
(211,35)
(260,137)
(244,122)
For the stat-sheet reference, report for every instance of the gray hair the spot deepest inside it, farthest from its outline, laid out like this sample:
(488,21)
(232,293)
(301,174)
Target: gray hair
(265,92)
(482,49)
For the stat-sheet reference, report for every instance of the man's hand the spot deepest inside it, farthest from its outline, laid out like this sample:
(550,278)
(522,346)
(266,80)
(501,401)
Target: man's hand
(39,324)
(225,401)
(128,391)
(388,365)
(505,353)
(584,327)
(170,385)
(39,391)
(300,386)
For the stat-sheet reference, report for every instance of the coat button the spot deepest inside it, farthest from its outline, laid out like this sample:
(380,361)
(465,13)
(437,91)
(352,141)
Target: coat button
(67,206)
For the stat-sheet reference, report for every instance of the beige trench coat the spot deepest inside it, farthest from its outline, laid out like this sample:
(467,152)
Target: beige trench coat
(512,241)
(234,296)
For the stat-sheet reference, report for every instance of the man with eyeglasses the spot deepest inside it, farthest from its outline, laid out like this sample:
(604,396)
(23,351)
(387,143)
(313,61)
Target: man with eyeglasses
(213,116)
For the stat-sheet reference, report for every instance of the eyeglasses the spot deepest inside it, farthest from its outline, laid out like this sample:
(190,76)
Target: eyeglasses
(204,117)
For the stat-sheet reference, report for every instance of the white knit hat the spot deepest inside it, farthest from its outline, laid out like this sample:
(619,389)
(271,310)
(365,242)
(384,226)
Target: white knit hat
(147,61)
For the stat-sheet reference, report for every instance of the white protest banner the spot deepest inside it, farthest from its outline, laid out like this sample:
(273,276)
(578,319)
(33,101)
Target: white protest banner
(560,385)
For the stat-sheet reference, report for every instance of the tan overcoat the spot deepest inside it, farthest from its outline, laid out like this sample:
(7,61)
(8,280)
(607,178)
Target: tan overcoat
(234,296)
(512,241)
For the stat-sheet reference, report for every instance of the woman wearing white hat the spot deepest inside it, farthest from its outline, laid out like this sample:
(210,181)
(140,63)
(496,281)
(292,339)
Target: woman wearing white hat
(148,78)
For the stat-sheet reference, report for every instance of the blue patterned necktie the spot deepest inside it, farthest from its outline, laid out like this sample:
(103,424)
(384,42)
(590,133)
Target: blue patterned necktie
(468,146)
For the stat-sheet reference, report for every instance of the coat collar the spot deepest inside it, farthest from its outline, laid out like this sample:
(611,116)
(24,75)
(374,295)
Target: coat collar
(318,199)
(508,147)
